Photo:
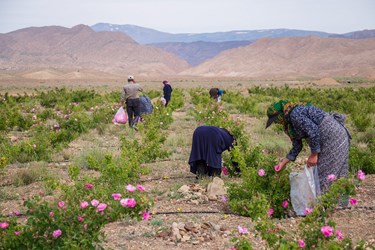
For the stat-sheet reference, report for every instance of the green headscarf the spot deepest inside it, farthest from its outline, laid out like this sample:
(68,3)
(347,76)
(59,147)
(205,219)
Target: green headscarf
(282,110)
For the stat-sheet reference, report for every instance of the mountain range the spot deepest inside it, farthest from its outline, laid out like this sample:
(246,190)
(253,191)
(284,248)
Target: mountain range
(45,51)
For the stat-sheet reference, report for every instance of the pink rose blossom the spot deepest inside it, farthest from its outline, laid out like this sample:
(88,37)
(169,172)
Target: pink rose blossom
(301,243)
(116,196)
(34,146)
(17,233)
(270,211)
(277,168)
(307,210)
(224,199)
(128,202)
(339,235)
(101,207)
(242,230)
(141,188)
(84,204)
(261,172)
(326,231)
(361,175)
(94,203)
(352,201)
(331,177)
(130,188)
(61,204)
(4,225)
(285,204)
(89,186)
(85,226)
(146,215)
(224,170)
(80,219)
(56,233)
(51,214)
(16,212)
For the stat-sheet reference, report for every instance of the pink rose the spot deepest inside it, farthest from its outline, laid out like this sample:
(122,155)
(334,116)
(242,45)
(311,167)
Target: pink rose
(352,201)
(101,207)
(94,203)
(331,177)
(307,210)
(51,214)
(130,188)
(61,204)
(270,212)
(141,188)
(277,168)
(261,172)
(89,186)
(326,231)
(301,243)
(242,230)
(224,170)
(339,235)
(56,233)
(4,225)
(128,202)
(17,233)
(285,204)
(116,196)
(146,215)
(84,204)
(361,175)
(80,219)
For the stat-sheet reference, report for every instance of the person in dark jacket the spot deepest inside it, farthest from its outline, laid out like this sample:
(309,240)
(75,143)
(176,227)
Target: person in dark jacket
(327,136)
(209,142)
(167,92)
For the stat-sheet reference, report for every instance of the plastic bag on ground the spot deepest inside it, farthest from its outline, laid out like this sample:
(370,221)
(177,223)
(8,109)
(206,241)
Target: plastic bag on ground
(120,117)
(304,189)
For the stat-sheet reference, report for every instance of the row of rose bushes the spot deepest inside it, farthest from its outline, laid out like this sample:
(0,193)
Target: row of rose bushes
(74,220)
(263,194)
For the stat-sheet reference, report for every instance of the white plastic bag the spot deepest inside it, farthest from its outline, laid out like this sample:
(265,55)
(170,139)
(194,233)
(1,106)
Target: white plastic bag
(120,117)
(304,189)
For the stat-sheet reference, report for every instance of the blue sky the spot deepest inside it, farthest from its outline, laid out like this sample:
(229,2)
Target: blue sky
(193,16)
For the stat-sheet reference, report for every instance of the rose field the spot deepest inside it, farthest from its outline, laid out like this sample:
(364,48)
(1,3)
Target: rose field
(72,179)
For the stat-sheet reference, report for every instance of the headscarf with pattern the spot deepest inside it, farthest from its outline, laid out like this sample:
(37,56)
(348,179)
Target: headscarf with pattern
(282,109)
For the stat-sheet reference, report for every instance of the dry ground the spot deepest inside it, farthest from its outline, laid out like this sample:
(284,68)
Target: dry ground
(214,230)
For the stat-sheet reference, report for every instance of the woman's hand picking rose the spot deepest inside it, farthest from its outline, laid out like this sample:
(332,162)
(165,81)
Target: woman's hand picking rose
(277,168)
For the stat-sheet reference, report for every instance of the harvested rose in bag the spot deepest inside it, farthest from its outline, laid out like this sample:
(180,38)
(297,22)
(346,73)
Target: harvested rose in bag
(120,117)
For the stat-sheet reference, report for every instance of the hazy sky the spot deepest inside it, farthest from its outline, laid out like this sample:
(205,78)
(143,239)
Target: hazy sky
(193,16)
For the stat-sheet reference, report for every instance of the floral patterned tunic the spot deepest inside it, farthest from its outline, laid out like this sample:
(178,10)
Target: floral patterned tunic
(306,121)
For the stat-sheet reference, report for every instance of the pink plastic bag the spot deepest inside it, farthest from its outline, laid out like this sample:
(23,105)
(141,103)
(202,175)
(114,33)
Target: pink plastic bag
(120,117)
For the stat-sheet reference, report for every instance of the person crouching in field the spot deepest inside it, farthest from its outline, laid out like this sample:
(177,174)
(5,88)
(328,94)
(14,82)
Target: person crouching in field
(130,96)
(209,142)
(328,138)
(216,93)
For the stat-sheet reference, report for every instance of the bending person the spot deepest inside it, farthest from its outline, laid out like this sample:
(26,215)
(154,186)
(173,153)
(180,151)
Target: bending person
(327,136)
(209,142)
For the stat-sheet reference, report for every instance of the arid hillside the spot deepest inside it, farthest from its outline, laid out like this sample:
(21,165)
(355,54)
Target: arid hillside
(81,48)
(293,57)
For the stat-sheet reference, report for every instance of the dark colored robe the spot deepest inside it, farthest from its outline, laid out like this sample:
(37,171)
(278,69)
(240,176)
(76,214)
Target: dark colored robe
(209,142)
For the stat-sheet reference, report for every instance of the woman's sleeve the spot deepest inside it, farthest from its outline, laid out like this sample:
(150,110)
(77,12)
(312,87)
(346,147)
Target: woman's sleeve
(302,123)
(297,147)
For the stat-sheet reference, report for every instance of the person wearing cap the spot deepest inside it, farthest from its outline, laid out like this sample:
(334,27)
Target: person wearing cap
(167,92)
(327,136)
(130,96)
